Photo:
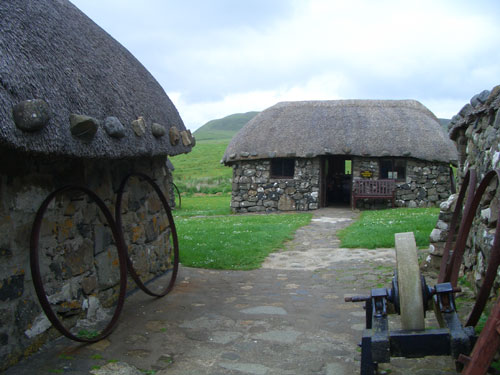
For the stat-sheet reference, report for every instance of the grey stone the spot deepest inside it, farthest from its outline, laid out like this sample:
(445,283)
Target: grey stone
(281,336)
(268,310)
(246,368)
(116,368)
(480,98)
(230,356)
(107,269)
(286,203)
(83,127)
(465,111)
(40,325)
(436,235)
(186,140)
(496,123)
(113,127)
(31,115)
(412,204)
(12,287)
(139,126)
(175,136)
(89,284)
(442,225)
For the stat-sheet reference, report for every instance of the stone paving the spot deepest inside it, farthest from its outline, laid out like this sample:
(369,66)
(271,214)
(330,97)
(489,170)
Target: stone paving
(289,317)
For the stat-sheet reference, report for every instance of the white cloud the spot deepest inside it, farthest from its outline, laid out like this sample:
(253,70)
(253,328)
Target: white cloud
(324,87)
(228,57)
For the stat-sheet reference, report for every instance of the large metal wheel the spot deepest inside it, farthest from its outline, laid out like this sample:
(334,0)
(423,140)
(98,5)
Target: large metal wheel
(172,245)
(411,302)
(37,274)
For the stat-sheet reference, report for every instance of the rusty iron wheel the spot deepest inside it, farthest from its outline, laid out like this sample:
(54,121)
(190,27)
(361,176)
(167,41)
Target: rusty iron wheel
(494,259)
(446,271)
(174,251)
(35,264)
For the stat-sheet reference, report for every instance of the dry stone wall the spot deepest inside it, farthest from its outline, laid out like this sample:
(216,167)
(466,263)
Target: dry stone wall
(78,258)
(426,185)
(476,131)
(254,190)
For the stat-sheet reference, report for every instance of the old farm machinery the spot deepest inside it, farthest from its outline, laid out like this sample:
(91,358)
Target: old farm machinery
(410,296)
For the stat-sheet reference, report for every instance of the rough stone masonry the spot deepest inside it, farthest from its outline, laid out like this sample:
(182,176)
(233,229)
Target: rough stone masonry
(476,131)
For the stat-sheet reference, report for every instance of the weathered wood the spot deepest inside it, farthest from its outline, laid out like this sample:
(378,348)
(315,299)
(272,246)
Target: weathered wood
(373,189)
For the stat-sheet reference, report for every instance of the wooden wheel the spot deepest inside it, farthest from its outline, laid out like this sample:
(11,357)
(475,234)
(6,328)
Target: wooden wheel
(411,301)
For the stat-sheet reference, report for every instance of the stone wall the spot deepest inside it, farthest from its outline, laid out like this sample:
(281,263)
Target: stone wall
(427,184)
(78,259)
(254,190)
(476,131)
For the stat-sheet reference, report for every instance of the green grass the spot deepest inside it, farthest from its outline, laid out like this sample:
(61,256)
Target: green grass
(376,229)
(215,135)
(200,171)
(205,205)
(87,334)
(238,242)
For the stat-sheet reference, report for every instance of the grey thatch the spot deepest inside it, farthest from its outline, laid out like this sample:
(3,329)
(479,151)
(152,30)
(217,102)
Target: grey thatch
(50,50)
(372,128)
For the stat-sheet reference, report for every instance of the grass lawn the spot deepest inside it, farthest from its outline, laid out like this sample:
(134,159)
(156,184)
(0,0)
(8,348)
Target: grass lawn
(204,205)
(200,171)
(234,242)
(377,228)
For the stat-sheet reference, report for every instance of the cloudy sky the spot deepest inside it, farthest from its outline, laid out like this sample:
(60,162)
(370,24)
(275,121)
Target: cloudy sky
(219,57)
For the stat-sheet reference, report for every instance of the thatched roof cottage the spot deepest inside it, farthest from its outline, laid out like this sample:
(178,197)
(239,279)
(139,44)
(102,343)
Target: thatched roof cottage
(75,108)
(306,155)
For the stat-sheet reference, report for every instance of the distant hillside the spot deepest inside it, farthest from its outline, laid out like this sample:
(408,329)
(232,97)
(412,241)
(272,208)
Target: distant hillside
(223,128)
(444,124)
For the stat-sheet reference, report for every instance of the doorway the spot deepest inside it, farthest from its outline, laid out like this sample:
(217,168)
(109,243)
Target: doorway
(336,176)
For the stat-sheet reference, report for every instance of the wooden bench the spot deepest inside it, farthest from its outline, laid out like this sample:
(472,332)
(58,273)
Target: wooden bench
(373,189)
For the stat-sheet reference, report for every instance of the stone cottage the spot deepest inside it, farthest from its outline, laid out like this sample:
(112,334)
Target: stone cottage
(305,155)
(75,108)
(476,131)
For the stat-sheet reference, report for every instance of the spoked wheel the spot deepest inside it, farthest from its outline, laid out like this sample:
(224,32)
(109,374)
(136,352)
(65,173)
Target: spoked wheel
(411,303)
(38,257)
(160,231)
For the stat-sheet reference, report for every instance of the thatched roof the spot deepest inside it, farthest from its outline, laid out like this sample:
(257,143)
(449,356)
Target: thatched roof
(51,51)
(372,128)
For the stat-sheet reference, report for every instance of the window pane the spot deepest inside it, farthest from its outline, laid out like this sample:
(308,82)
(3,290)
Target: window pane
(276,166)
(385,168)
(282,168)
(400,168)
(288,167)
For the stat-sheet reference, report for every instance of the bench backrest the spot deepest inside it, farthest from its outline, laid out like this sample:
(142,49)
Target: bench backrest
(374,187)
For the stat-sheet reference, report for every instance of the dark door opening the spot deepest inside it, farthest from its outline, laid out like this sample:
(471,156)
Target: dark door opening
(337,179)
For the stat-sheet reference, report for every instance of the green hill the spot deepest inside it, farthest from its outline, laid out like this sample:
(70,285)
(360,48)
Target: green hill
(223,128)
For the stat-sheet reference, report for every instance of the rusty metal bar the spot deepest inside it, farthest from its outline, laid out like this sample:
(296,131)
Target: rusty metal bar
(468,186)
(35,264)
(494,260)
(486,346)
(178,194)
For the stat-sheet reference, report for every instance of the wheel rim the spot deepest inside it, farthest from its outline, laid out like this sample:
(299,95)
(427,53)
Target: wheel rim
(37,277)
(173,252)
